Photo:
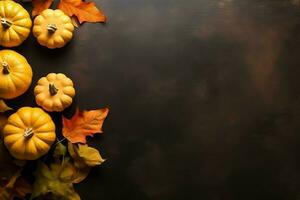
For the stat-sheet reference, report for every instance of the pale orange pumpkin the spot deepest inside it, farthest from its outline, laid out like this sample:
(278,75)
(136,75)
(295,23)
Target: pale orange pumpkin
(53,28)
(54,92)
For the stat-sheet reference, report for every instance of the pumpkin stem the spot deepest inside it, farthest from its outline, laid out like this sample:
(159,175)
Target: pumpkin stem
(51,28)
(52,89)
(28,133)
(5,23)
(5,68)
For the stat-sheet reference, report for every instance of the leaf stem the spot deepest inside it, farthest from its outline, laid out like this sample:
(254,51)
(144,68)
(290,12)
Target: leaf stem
(60,141)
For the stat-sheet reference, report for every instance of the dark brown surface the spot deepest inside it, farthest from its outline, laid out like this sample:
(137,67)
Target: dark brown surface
(204,98)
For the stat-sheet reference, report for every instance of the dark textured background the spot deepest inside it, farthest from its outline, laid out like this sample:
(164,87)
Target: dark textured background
(204,98)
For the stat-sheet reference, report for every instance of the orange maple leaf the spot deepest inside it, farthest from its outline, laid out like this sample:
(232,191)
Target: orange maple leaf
(40,5)
(84,11)
(84,123)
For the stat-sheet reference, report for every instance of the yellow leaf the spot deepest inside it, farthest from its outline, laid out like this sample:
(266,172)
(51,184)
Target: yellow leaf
(84,11)
(84,123)
(3,106)
(89,155)
(67,172)
(81,174)
(83,155)
(84,158)
(72,148)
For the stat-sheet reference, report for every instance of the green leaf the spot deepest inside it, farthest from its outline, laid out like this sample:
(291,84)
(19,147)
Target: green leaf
(60,150)
(56,179)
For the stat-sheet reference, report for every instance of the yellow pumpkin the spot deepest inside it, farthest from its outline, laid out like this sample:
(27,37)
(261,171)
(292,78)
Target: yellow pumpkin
(15,74)
(53,28)
(54,92)
(29,133)
(15,24)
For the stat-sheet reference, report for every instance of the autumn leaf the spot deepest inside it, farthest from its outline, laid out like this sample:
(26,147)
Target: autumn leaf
(83,155)
(60,150)
(16,187)
(64,171)
(84,11)
(5,194)
(89,155)
(39,6)
(81,174)
(73,153)
(21,188)
(3,106)
(84,123)
(71,170)
(74,21)
(56,180)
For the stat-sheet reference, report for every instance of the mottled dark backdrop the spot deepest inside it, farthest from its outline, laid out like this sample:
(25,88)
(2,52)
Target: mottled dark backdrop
(204,98)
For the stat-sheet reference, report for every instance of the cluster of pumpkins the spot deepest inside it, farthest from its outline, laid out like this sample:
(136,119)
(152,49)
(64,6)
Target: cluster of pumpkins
(52,28)
(30,132)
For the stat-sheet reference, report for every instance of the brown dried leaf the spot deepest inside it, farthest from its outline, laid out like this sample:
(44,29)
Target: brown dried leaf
(16,187)
(74,21)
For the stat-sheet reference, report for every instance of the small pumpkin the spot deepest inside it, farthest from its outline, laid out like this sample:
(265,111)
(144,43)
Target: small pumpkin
(15,74)
(15,24)
(29,133)
(53,28)
(54,92)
